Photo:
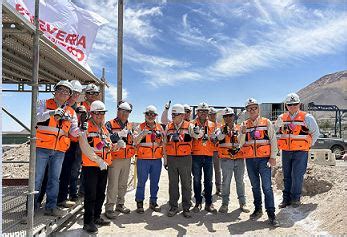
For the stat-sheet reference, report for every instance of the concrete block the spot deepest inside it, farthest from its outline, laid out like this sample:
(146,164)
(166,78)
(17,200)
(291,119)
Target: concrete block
(322,157)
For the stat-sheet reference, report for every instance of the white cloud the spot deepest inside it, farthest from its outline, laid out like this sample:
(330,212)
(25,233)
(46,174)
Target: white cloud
(111,93)
(289,44)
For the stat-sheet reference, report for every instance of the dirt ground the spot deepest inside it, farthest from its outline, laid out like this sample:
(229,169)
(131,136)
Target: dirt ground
(323,211)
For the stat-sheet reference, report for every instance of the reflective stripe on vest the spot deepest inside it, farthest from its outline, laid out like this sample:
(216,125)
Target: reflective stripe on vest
(52,134)
(129,150)
(204,148)
(148,148)
(296,137)
(257,147)
(104,153)
(181,147)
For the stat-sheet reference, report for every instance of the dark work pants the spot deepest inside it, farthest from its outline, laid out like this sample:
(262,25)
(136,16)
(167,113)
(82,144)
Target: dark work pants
(94,197)
(65,175)
(179,168)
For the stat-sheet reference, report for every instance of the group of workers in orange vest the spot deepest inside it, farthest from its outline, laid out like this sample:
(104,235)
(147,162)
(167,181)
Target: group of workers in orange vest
(184,147)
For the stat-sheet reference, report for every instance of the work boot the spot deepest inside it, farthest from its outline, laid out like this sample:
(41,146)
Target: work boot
(55,212)
(244,208)
(102,222)
(90,228)
(66,204)
(197,208)
(272,219)
(283,204)
(140,209)
(122,209)
(74,198)
(223,208)
(154,206)
(172,212)
(210,208)
(111,214)
(256,214)
(186,213)
(295,204)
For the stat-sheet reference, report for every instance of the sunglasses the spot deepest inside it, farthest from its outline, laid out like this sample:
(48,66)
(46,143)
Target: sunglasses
(99,112)
(252,109)
(124,111)
(187,111)
(228,115)
(63,91)
(203,111)
(92,93)
(151,114)
(292,104)
(175,114)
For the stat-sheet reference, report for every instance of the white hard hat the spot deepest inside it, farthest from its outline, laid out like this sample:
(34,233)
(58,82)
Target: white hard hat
(92,88)
(76,86)
(251,101)
(292,98)
(125,106)
(65,83)
(151,108)
(202,106)
(212,111)
(178,109)
(187,107)
(228,111)
(97,106)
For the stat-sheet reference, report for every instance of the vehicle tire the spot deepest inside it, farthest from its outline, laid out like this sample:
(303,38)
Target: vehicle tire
(338,151)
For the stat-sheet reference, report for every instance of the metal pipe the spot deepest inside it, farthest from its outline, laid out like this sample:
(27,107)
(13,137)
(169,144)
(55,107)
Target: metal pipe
(103,85)
(15,119)
(34,97)
(120,51)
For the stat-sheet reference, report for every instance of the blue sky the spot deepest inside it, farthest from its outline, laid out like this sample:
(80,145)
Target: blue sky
(221,52)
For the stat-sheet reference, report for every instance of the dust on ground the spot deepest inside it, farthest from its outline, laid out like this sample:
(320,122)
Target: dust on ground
(323,210)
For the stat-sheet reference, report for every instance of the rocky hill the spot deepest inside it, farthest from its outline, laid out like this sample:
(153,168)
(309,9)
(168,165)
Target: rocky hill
(328,90)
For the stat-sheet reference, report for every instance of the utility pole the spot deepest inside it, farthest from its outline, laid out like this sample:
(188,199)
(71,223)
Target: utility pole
(34,96)
(120,51)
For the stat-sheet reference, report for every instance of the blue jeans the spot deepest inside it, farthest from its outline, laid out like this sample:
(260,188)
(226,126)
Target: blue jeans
(204,163)
(257,168)
(145,167)
(230,167)
(294,164)
(54,160)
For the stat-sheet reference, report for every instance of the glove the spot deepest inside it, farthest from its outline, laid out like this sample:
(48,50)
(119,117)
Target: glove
(59,112)
(234,151)
(84,126)
(213,137)
(167,105)
(102,164)
(196,130)
(81,109)
(121,144)
(123,133)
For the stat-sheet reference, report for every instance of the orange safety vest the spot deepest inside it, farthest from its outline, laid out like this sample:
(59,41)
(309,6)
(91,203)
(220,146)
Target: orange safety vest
(229,142)
(150,147)
(94,137)
(200,147)
(294,134)
(129,150)
(182,147)
(86,105)
(257,146)
(52,134)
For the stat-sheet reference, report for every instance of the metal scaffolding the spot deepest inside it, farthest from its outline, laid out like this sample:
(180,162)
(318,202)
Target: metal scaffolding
(31,59)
